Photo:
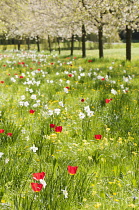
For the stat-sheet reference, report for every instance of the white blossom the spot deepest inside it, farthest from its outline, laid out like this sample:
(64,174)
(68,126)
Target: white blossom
(33,148)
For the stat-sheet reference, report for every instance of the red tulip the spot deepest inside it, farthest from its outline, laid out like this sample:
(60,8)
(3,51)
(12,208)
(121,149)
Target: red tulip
(58,129)
(70,75)
(82,100)
(89,61)
(72,169)
(1,81)
(108,100)
(31,111)
(1,131)
(98,137)
(21,77)
(39,69)
(38,176)
(67,87)
(103,78)
(52,125)
(9,134)
(36,187)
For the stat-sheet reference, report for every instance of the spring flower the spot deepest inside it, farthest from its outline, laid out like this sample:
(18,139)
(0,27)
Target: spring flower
(43,182)
(9,134)
(26,103)
(81,115)
(98,136)
(52,125)
(33,96)
(86,108)
(66,90)
(21,77)
(58,129)
(82,100)
(90,61)
(65,193)
(90,113)
(57,111)
(72,169)
(1,153)
(50,112)
(1,82)
(113,91)
(108,100)
(61,103)
(23,97)
(36,187)
(103,78)
(34,149)
(1,131)
(70,75)
(31,111)
(38,176)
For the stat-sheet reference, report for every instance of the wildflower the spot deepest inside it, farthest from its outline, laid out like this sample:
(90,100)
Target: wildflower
(1,82)
(82,100)
(50,112)
(1,153)
(43,182)
(86,108)
(38,176)
(9,134)
(58,129)
(1,131)
(57,111)
(72,169)
(98,137)
(113,91)
(34,149)
(33,96)
(65,193)
(31,111)
(52,125)
(108,100)
(61,104)
(26,103)
(36,187)
(23,97)
(90,113)
(66,90)
(81,115)
(70,75)
(90,61)
(21,77)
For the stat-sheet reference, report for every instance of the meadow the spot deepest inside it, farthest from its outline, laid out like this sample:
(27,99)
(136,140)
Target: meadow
(69,131)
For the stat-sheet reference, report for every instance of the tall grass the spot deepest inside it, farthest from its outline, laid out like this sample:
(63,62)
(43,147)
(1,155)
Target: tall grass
(54,86)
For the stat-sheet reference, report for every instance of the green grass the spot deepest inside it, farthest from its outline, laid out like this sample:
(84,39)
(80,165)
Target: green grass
(107,175)
(111,51)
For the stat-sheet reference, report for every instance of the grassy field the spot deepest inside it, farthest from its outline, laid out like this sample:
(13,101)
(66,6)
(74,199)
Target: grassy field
(69,131)
(111,51)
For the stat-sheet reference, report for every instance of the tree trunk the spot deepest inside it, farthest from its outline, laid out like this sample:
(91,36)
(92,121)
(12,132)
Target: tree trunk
(38,44)
(100,38)
(18,44)
(58,41)
(28,43)
(128,43)
(72,44)
(83,42)
(49,43)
